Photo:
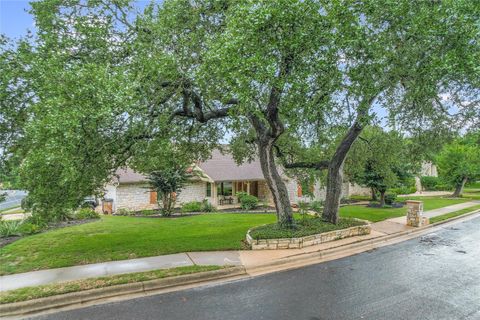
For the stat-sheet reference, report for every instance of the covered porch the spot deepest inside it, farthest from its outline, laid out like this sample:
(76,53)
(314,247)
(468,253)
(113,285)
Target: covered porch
(224,194)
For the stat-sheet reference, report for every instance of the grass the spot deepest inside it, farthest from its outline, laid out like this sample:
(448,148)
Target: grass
(305,227)
(379,214)
(120,238)
(453,214)
(30,293)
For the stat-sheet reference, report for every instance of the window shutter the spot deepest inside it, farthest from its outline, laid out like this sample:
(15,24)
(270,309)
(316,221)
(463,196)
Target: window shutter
(299,190)
(153,197)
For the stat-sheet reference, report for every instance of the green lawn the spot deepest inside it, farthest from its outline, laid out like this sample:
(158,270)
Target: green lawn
(454,214)
(379,214)
(118,238)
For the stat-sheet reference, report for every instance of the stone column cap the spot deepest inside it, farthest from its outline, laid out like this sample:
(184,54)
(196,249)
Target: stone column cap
(414,201)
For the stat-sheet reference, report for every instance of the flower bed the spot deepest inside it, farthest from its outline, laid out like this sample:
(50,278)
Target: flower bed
(259,240)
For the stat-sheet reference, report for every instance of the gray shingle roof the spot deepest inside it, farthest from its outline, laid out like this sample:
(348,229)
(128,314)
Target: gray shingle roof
(220,167)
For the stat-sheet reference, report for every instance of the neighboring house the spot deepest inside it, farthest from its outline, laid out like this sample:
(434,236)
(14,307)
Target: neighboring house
(428,170)
(220,181)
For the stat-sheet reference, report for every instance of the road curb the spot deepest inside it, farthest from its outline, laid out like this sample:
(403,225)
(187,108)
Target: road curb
(23,308)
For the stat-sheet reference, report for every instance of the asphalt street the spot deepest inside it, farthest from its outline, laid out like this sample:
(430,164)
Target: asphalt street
(14,198)
(436,277)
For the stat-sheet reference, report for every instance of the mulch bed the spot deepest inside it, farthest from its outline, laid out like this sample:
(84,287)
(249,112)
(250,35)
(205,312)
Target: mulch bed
(395,205)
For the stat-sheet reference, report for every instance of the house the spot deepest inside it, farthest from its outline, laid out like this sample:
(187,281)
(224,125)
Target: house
(220,181)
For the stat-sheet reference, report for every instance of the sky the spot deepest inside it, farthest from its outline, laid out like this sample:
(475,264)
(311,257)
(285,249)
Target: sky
(14,20)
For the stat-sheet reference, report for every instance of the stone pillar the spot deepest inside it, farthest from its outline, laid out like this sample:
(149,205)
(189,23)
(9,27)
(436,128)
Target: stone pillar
(415,216)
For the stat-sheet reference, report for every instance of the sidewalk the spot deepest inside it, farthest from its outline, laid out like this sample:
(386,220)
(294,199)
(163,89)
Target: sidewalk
(246,258)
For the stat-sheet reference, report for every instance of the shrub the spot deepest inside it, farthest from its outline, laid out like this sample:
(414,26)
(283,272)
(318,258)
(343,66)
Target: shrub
(207,206)
(124,212)
(247,202)
(404,190)
(316,206)
(37,219)
(27,228)
(10,228)
(390,198)
(86,213)
(429,183)
(193,206)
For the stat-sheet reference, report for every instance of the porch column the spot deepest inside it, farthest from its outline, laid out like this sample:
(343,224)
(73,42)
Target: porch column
(248,187)
(214,194)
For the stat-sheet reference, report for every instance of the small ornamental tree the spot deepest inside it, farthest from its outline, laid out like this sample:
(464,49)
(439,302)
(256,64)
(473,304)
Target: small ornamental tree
(168,183)
(459,162)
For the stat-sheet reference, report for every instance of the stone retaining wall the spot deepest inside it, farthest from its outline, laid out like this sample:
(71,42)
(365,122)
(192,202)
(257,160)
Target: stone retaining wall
(297,243)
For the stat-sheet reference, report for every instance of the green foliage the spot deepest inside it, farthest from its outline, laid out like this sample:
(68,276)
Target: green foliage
(247,201)
(379,161)
(316,206)
(10,228)
(429,183)
(192,206)
(207,206)
(28,228)
(86,213)
(303,228)
(459,162)
(99,85)
(168,183)
(303,209)
(390,198)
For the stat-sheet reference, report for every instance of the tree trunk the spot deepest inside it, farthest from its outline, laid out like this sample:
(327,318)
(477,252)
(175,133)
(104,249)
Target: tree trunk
(334,193)
(275,183)
(459,188)
(335,174)
(382,198)
(374,194)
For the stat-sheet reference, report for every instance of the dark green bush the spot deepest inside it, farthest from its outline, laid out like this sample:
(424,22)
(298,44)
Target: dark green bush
(193,206)
(86,213)
(390,198)
(429,183)
(247,202)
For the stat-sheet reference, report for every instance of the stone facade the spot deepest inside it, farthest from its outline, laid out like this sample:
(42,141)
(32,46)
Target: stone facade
(136,196)
(297,243)
(194,191)
(415,216)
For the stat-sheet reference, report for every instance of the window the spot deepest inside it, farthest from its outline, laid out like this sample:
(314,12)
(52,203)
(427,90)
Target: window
(224,188)
(209,189)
